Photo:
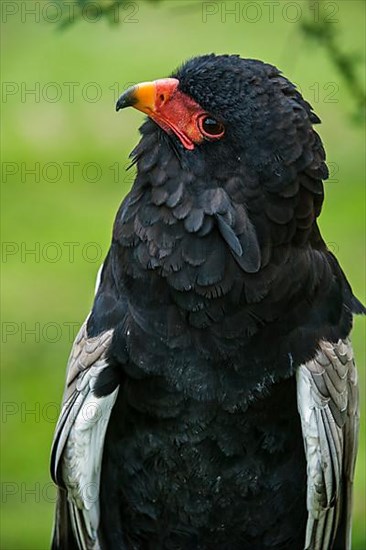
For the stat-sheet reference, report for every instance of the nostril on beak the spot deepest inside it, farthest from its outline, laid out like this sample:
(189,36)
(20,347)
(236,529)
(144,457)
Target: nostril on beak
(161,99)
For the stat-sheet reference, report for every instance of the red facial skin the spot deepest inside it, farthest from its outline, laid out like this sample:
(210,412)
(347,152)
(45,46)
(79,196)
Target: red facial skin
(179,113)
(172,110)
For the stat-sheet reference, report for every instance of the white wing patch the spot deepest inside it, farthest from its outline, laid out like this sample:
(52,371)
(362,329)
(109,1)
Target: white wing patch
(79,439)
(98,279)
(328,407)
(82,457)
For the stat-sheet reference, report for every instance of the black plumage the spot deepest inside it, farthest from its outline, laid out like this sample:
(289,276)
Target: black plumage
(217,287)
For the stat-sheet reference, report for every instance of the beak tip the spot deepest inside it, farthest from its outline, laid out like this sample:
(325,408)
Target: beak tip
(127,99)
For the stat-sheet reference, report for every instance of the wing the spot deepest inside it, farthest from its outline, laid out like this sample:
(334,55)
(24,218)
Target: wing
(78,444)
(327,396)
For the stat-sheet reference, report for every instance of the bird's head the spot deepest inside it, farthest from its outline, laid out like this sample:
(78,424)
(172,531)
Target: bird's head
(223,108)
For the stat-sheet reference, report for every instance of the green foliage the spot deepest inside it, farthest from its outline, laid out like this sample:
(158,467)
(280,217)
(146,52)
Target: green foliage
(323,32)
(319,29)
(94,10)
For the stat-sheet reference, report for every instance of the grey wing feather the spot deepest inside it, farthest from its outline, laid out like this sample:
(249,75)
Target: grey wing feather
(77,448)
(327,397)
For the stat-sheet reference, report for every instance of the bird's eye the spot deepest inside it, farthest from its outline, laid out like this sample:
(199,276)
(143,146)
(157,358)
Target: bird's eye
(210,127)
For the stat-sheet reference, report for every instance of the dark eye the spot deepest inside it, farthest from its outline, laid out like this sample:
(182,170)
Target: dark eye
(210,127)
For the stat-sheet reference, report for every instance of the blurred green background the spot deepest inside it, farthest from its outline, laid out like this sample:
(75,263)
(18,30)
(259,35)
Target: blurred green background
(56,220)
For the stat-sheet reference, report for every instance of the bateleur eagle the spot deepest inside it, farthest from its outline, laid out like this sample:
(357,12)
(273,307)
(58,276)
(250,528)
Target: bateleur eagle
(211,394)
